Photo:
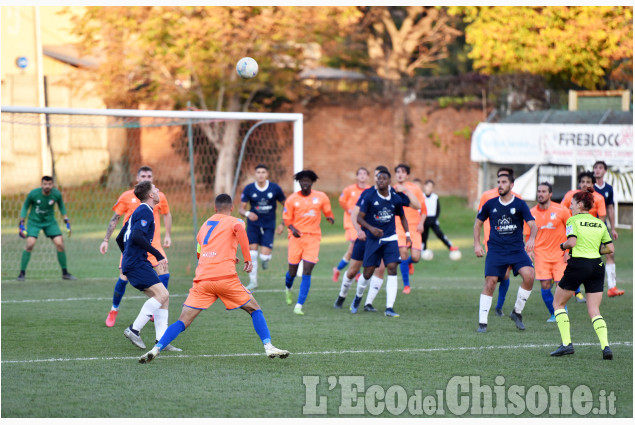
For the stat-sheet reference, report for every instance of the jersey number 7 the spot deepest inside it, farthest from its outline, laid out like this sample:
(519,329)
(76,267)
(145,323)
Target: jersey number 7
(212,224)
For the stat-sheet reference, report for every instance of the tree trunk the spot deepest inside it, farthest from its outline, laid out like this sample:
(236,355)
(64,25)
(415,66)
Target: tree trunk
(224,175)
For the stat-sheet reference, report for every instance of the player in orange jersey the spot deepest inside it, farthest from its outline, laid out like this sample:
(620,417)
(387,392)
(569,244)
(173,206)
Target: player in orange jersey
(549,260)
(416,216)
(486,196)
(125,206)
(302,216)
(216,278)
(348,199)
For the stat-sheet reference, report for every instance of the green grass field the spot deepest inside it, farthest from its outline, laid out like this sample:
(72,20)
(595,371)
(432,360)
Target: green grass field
(60,360)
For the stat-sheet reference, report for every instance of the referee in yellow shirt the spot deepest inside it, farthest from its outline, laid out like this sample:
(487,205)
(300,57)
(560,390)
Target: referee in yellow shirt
(588,239)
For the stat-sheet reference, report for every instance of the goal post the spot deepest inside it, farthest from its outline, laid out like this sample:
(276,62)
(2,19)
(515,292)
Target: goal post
(96,154)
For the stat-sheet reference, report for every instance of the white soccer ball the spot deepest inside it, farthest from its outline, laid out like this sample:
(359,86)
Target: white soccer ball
(427,254)
(455,255)
(247,68)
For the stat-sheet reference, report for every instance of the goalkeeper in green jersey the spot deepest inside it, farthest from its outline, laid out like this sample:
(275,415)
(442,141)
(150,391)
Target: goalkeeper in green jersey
(42,201)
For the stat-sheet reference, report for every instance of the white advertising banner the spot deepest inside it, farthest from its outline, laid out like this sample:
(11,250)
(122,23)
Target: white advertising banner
(581,144)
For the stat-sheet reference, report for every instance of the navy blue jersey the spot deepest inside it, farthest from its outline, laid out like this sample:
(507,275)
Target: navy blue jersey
(381,212)
(405,201)
(263,203)
(506,223)
(607,192)
(141,220)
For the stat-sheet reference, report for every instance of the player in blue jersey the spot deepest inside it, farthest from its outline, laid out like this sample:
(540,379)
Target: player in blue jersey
(377,212)
(262,195)
(506,248)
(606,190)
(135,242)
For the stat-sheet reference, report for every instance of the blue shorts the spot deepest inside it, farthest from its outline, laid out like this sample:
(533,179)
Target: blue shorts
(377,250)
(143,276)
(260,235)
(358,250)
(497,263)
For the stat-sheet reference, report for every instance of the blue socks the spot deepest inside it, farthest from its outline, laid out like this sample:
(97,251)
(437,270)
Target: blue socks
(171,333)
(405,271)
(260,325)
(304,288)
(165,278)
(120,289)
(547,297)
(343,263)
(288,280)
(502,292)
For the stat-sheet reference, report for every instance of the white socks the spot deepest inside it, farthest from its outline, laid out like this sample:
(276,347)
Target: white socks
(263,257)
(253,274)
(148,309)
(521,299)
(362,283)
(391,290)
(610,275)
(483,310)
(375,285)
(346,285)
(160,322)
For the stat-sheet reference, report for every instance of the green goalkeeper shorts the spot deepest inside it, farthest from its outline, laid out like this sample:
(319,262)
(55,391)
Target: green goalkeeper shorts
(51,229)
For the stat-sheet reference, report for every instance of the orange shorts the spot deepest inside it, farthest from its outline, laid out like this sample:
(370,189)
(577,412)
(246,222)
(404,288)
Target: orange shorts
(231,292)
(547,270)
(151,258)
(306,247)
(351,234)
(415,237)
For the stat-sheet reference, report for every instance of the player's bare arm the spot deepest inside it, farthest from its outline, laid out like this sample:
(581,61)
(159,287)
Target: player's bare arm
(533,229)
(478,248)
(610,212)
(361,235)
(250,215)
(404,224)
(414,201)
(167,220)
(112,225)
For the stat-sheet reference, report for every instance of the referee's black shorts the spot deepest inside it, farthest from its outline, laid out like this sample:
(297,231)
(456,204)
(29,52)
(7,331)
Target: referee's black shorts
(584,271)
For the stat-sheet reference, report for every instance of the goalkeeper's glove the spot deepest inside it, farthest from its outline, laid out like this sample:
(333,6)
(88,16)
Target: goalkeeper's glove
(22,230)
(68,226)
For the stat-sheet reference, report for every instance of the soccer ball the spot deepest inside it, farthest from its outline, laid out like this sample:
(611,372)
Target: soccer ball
(455,255)
(427,254)
(247,68)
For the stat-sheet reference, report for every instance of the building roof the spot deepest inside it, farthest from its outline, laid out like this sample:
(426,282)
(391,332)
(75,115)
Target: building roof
(552,116)
(69,54)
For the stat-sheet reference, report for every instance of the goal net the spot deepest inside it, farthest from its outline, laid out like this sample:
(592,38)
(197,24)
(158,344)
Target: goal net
(94,156)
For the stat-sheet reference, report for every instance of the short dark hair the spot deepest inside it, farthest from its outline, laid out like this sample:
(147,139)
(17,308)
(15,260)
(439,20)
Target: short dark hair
(305,173)
(585,198)
(586,174)
(47,179)
(509,176)
(381,168)
(548,186)
(429,181)
(361,169)
(144,168)
(223,201)
(505,170)
(261,166)
(602,163)
(406,167)
(384,172)
(142,190)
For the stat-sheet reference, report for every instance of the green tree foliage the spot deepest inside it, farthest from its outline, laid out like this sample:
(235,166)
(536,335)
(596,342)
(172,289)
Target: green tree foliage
(585,45)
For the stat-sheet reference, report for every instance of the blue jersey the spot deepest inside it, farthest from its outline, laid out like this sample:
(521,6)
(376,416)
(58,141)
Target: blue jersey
(405,201)
(381,212)
(607,191)
(506,223)
(142,219)
(263,203)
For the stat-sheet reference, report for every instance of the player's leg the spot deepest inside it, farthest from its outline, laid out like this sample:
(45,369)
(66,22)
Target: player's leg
(186,318)
(146,280)
(266,246)
(294,257)
(344,261)
(26,254)
(524,267)
(119,291)
(594,288)
(426,231)
(58,241)
(357,256)
(560,299)
(547,298)
(404,265)
(376,282)
(502,293)
(305,285)
(253,235)
(261,328)
(485,301)
(611,277)
(392,286)
(446,241)
(162,269)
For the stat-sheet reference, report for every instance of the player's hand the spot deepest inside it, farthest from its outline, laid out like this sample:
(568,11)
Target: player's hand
(162,265)
(279,229)
(361,235)
(614,234)
(330,220)
(252,216)
(420,227)
(167,241)
(248,266)
(103,248)
(566,256)
(378,233)
(68,226)
(408,242)
(399,187)
(22,230)
(478,250)
(529,246)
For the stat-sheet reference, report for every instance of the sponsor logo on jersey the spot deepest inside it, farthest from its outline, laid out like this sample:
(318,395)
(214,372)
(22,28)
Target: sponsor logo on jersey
(553,216)
(144,223)
(316,201)
(269,195)
(51,202)
(513,210)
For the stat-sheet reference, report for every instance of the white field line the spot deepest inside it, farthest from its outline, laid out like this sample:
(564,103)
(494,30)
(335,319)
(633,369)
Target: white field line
(318,353)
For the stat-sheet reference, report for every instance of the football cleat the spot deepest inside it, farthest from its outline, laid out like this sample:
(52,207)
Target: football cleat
(169,347)
(518,319)
(614,292)
(499,312)
(112,318)
(370,308)
(552,319)
(580,298)
(411,268)
(406,289)
(482,327)
(607,354)
(68,276)
(563,350)
(336,274)
(289,296)
(21,277)
(150,355)
(391,313)
(298,310)
(339,302)
(265,264)
(134,337)
(355,304)
(273,352)
(252,286)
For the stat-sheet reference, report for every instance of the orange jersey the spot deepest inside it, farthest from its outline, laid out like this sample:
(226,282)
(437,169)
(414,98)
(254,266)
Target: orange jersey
(486,196)
(217,241)
(413,216)
(348,199)
(551,224)
(599,206)
(128,202)
(305,212)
